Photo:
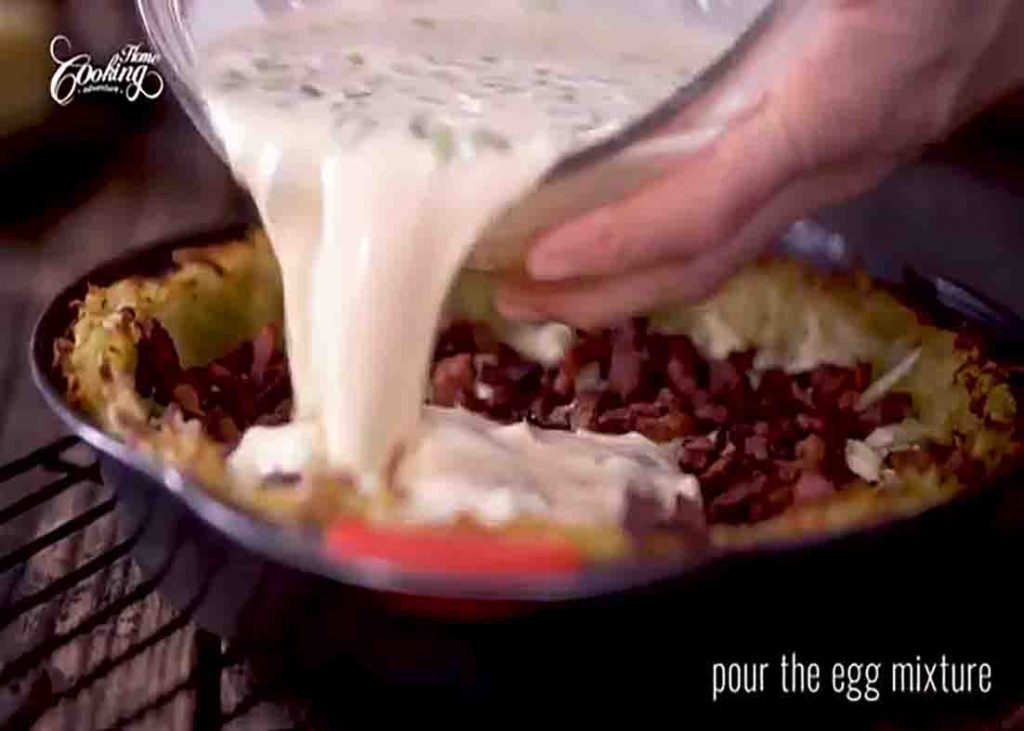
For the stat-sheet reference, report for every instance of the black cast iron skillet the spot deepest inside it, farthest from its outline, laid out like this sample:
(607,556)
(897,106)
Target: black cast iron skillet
(879,587)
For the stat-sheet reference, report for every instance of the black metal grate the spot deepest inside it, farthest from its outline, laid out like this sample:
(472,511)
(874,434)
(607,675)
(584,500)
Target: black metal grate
(85,639)
(87,642)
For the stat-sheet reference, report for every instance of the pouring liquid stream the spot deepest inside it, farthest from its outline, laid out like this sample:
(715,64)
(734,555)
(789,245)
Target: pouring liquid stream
(385,150)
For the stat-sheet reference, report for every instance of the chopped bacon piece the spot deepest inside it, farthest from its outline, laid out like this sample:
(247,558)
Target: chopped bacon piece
(716,414)
(616,421)
(811,452)
(625,370)
(583,414)
(725,379)
(186,397)
(756,446)
(736,504)
(453,379)
(696,454)
(667,427)
(158,368)
(776,442)
(754,449)
(225,394)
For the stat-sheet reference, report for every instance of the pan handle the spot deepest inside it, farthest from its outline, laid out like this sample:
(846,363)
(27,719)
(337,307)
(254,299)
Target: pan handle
(951,303)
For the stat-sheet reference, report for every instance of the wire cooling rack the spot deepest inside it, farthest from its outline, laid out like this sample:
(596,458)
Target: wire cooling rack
(85,639)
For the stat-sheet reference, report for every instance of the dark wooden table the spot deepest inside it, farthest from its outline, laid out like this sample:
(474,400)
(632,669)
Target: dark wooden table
(962,213)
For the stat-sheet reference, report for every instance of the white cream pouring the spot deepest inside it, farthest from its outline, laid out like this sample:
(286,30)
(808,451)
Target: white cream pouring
(379,148)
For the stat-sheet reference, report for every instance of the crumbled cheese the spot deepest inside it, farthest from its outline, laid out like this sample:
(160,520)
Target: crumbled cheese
(483,391)
(888,381)
(866,458)
(266,450)
(545,343)
(863,461)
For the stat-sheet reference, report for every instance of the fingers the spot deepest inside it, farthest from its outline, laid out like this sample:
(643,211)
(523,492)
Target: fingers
(593,302)
(875,81)
(699,206)
(598,301)
(590,302)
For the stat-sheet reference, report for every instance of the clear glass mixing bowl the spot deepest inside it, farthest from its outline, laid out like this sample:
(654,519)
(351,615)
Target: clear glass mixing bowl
(178,29)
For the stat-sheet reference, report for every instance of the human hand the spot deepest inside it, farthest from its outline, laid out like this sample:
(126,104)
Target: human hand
(864,85)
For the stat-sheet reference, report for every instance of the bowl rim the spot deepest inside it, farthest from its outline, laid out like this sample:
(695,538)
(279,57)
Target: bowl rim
(304,549)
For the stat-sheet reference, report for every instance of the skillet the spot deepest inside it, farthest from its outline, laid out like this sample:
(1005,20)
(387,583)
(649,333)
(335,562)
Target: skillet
(273,587)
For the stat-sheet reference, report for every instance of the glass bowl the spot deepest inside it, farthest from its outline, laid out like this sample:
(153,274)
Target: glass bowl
(179,29)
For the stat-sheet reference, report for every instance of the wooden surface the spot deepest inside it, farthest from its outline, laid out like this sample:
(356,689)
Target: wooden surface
(138,666)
